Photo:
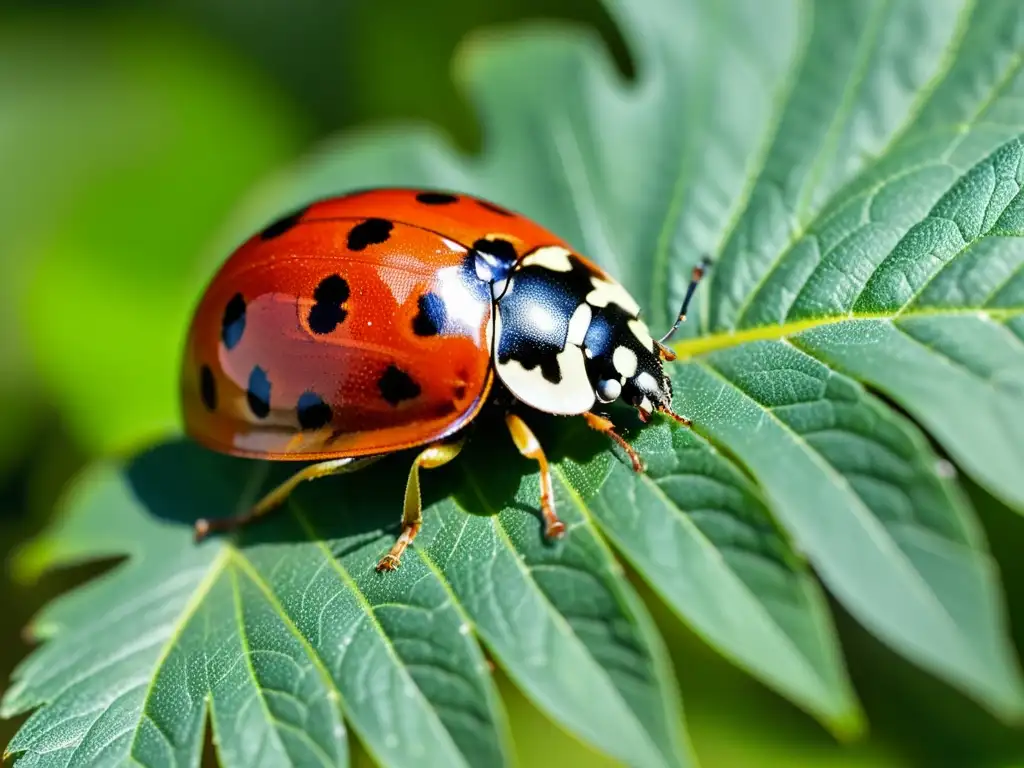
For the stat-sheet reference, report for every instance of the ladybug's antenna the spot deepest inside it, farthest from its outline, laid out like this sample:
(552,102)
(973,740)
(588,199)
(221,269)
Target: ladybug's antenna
(698,273)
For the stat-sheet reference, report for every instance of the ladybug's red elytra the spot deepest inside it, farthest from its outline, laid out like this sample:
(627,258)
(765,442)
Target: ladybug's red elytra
(383,320)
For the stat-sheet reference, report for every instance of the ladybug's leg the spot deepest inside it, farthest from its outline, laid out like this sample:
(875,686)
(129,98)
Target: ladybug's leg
(280,493)
(645,417)
(529,447)
(431,457)
(605,425)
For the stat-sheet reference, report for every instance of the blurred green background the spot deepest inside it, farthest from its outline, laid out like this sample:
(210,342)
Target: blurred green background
(130,131)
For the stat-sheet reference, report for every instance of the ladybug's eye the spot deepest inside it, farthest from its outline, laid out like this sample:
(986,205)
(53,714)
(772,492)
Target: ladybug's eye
(608,390)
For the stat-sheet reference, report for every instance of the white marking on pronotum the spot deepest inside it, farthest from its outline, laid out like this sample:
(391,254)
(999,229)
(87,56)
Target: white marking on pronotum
(572,394)
(553,257)
(578,325)
(646,382)
(607,292)
(624,360)
(642,332)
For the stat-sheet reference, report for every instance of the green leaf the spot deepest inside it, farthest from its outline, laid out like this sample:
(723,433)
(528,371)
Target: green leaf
(291,631)
(280,639)
(855,169)
(701,534)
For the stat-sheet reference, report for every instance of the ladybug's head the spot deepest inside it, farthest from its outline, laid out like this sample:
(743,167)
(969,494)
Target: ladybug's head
(650,393)
(631,372)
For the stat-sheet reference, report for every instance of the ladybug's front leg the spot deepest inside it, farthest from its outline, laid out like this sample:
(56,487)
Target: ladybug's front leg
(431,457)
(604,425)
(529,447)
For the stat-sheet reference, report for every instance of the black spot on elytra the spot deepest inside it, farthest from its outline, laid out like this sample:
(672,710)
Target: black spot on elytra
(436,198)
(459,391)
(430,319)
(327,313)
(208,388)
(502,249)
(396,385)
(258,393)
(494,208)
(232,324)
(283,224)
(369,232)
(312,411)
(333,289)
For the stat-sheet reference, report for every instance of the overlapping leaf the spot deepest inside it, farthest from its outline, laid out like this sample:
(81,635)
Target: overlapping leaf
(855,169)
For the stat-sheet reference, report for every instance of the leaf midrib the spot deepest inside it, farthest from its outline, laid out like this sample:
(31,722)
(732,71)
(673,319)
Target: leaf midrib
(195,601)
(303,519)
(596,529)
(254,576)
(556,617)
(701,345)
(501,722)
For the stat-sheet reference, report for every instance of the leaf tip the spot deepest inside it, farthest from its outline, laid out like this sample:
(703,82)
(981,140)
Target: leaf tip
(29,562)
(8,706)
(850,726)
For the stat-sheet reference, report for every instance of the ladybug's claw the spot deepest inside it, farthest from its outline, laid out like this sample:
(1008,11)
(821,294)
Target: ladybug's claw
(200,530)
(203,527)
(554,528)
(389,562)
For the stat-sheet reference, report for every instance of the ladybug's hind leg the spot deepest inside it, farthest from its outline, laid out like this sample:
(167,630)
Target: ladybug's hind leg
(529,447)
(277,496)
(431,457)
(605,426)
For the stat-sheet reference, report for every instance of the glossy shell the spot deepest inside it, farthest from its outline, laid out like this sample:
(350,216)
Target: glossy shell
(376,321)
(338,332)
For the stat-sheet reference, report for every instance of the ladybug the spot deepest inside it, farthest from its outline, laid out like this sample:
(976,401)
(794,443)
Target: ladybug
(383,320)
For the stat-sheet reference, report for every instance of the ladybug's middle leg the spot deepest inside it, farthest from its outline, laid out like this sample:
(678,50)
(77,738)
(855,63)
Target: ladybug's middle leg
(431,457)
(604,425)
(529,447)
